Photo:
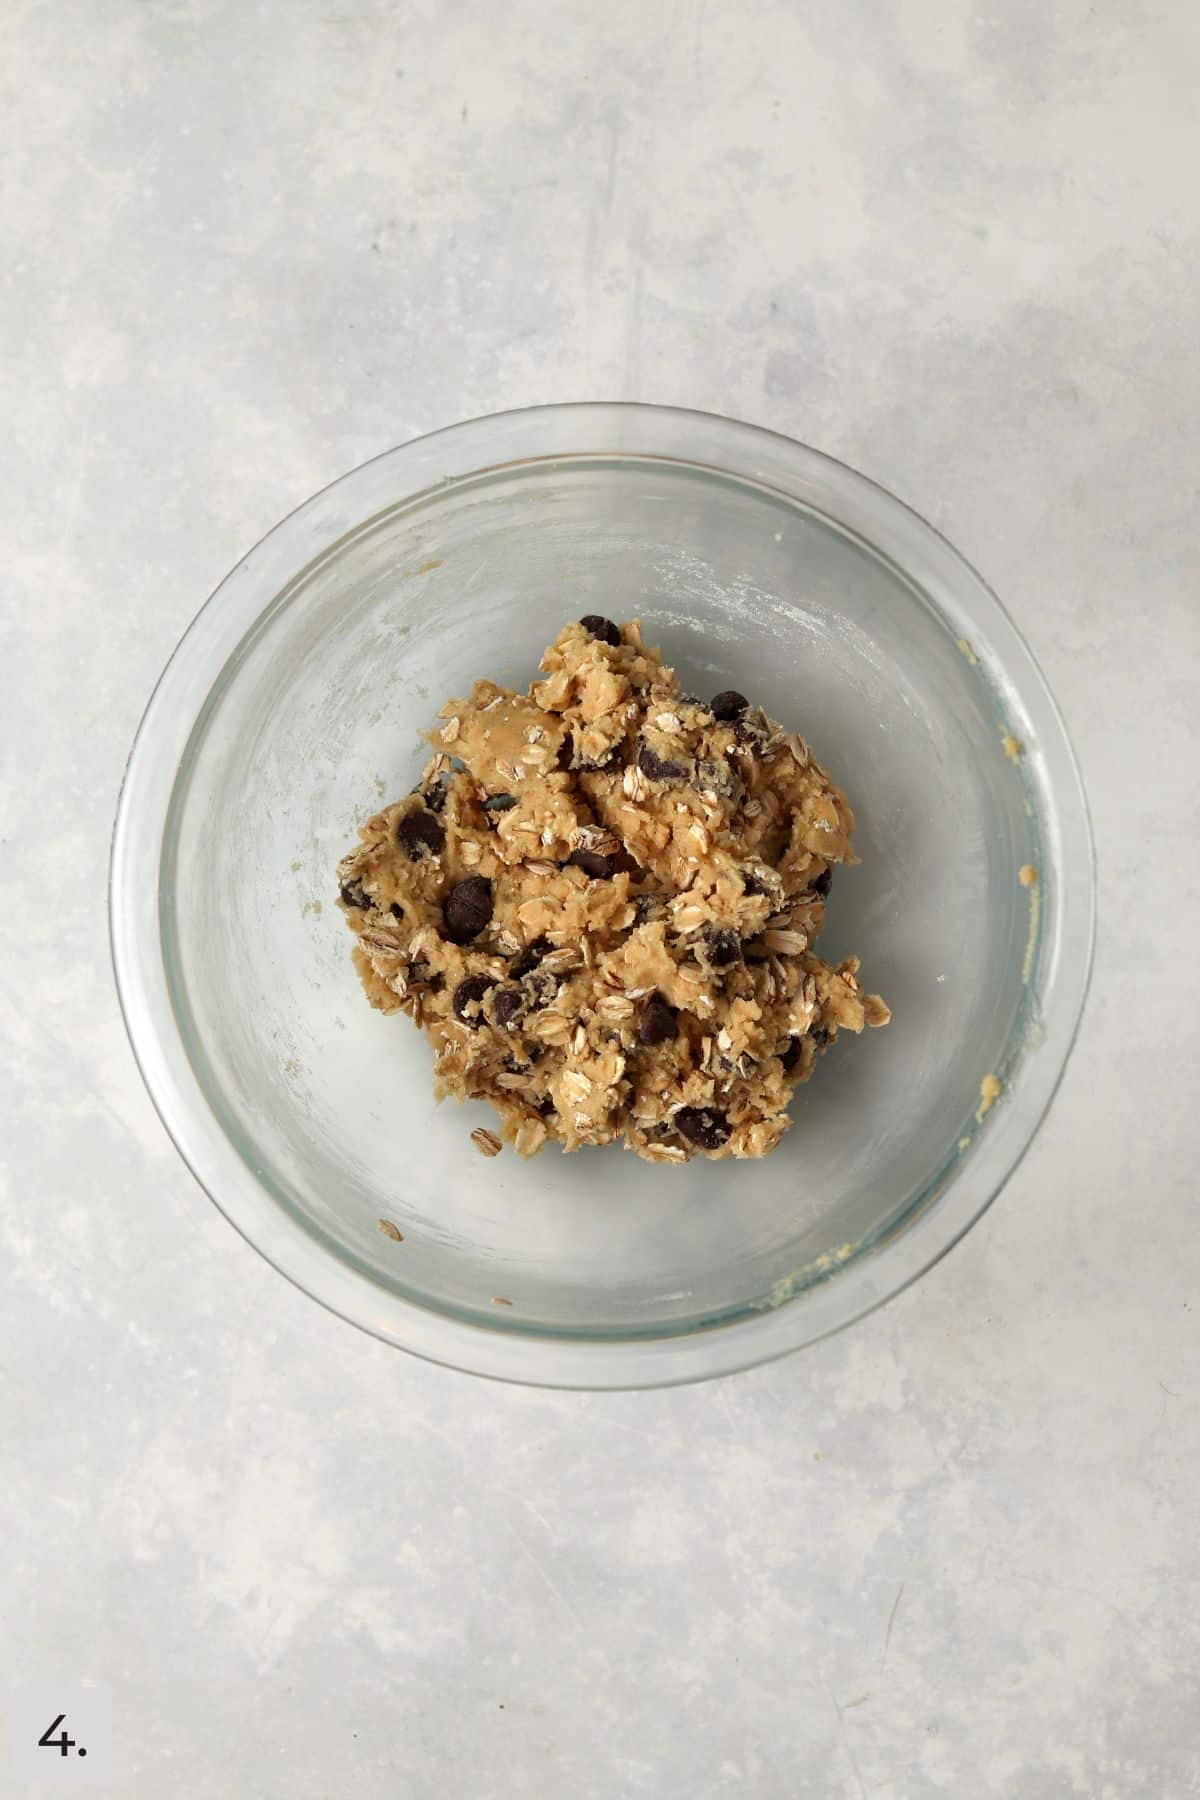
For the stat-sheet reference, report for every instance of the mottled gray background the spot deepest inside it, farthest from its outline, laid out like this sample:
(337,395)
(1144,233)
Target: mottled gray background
(246,244)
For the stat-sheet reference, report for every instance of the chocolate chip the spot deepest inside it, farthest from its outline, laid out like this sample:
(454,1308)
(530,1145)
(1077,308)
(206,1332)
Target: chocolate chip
(467,909)
(819,1036)
(657,1022)
(532,955)
(718,777)
(647,906)
(397,911)
(823,883)
(749,732)
(419,832)
(469,994)
(720,948)
(703,1126)
(601,628)
(541,987)
(657,768)
(568,754)
(506,1005)
(355,894)
(728,704)
(791,1056)
(602,767)
(499,803)
(595,863)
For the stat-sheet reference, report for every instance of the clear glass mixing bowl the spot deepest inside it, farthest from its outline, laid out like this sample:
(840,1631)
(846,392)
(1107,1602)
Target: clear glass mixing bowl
(292,709)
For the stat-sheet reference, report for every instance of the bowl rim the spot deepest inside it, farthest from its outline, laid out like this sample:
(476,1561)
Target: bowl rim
(828,1298)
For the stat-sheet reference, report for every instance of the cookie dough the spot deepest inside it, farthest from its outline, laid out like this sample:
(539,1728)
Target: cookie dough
(600,906)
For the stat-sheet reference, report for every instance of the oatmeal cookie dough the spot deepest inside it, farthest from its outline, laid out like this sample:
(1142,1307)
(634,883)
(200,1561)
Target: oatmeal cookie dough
(600,906)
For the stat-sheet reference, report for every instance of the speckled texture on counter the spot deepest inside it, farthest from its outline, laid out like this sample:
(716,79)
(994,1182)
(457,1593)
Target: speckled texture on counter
(249,244)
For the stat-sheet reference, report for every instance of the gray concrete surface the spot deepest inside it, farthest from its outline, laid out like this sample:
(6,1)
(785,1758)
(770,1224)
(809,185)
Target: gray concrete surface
(247,244)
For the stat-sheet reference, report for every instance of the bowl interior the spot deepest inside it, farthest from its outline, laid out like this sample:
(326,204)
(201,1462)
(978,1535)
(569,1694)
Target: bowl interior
(314,723)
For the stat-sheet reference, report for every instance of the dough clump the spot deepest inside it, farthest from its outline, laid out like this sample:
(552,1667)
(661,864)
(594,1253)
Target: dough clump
(600,905)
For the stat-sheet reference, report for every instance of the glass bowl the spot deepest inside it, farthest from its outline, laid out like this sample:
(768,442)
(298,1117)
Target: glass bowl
(291,710)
